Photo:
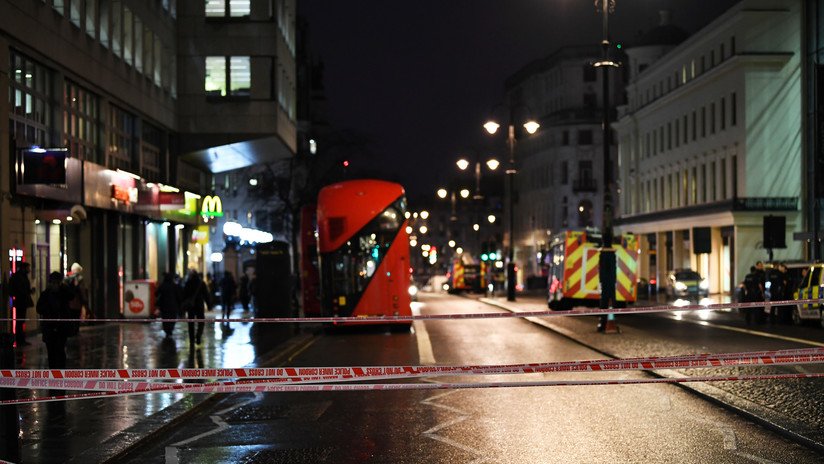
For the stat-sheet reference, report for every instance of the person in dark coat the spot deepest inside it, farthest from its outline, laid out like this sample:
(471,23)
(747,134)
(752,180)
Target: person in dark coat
(54,304)
(195,299)
(21,290)
(753,292)
(169,298)
(243,292)
(228,287)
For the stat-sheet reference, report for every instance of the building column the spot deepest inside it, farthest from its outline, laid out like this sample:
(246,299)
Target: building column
(5,180)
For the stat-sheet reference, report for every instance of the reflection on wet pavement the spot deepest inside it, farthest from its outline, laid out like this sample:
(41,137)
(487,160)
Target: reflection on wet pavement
(50,431)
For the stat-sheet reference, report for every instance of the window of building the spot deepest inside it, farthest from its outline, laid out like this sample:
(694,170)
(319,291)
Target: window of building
(565,138)
(91,18)
(694,186)
(584,137)
(128,36)
(712,57)
(685,130)
(669,136)
(723,115)
(151,152)
(121,139)
(694,126)
(661,139)
(703,121)
(734,172)
(732,45)
(721,55)
(723,179)
(685,179)
(677,133)
(158,61)
(654,142)
(30,97)
(117,28)
(74,12)
(564,172)
(138,44)
(703,183)
(228,8)
(713,180)
(105,24)
(59,6)
(228,76)
(647,153)
(733,112)
(80,126)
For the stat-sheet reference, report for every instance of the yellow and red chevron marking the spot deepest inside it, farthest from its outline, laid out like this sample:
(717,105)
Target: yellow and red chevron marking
(573,261)
(626,257)
(458,276)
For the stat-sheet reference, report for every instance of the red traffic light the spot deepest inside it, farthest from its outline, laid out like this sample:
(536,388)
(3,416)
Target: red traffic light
(346,163)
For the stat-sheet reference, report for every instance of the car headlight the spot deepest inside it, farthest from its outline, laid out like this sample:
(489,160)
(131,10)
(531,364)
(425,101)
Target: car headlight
(705,284)
(413,290)
(445,286)
(680,286)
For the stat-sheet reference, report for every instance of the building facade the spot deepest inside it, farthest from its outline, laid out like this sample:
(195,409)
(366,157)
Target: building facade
(127,91)
(559,183)
(710,142)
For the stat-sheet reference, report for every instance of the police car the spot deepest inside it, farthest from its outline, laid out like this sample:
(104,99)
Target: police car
(810,288)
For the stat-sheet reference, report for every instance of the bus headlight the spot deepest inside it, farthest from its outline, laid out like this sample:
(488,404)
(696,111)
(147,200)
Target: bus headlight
(680,286)
(705,284)
(413,290)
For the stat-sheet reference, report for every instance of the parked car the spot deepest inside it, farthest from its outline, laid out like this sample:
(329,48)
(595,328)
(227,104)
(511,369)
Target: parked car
(686,283)
(809,288)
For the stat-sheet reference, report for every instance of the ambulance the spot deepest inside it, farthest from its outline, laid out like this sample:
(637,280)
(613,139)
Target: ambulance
(464,275)
(573,264)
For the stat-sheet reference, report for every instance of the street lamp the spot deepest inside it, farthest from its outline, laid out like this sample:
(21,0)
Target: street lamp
(491,163)
(531,127)
(606,262)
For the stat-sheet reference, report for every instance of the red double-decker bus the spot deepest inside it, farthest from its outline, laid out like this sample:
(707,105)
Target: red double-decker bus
(364,250)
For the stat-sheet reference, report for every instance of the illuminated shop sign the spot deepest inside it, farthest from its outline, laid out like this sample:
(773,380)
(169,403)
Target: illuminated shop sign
(125,194)
(211,207)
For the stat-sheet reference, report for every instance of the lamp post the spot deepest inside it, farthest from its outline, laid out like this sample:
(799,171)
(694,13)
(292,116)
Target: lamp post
(492,127)
(606,266)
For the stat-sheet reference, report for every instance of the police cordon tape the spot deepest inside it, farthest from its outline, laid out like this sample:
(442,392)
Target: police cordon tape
(342,373)
(426,317)
(280,388)
(124,380)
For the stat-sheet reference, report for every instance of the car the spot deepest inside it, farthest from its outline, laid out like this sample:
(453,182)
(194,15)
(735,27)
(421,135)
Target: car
(686,283)
(809,288)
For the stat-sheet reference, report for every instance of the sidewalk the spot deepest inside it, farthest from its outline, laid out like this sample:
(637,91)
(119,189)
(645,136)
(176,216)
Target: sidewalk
(94,430)
(791,408)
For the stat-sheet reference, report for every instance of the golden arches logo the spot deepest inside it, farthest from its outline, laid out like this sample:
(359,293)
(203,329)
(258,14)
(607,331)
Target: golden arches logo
(212,206)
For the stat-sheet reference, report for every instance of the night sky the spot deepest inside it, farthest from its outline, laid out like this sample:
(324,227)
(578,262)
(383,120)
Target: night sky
(418,79)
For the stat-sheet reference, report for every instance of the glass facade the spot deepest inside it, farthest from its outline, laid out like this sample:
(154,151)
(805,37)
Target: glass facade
(30,97)
(80,122)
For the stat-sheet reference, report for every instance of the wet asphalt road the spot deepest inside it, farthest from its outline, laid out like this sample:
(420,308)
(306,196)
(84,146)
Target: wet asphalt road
(649,423)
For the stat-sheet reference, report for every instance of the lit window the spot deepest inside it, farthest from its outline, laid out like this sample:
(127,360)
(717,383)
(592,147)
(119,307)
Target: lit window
(224,8)
(228,76)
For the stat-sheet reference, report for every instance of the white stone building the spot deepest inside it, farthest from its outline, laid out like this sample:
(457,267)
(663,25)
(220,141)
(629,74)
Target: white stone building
(711,138)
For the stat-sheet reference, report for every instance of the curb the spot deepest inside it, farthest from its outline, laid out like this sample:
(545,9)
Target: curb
(728,401)
(170,417)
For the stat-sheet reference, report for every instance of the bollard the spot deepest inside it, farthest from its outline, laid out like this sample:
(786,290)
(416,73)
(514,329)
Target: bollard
(10,445)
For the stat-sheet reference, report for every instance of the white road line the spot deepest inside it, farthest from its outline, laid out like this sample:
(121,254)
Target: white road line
(171,450)
(462,416)
(749,331)
(425,354)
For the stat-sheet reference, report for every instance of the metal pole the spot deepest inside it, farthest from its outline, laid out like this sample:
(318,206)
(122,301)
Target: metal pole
(510,174)
(607,257)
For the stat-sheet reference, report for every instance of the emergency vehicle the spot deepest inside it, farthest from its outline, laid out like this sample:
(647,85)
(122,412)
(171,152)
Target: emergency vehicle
(573,262)
(464,275)
(810,289)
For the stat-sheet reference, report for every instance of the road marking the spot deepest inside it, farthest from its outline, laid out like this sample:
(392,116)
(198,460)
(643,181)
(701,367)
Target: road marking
(172,450)
(748,331)
(462,416)
(425,354)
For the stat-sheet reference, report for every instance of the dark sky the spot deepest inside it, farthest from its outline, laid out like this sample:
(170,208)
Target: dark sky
(419,78)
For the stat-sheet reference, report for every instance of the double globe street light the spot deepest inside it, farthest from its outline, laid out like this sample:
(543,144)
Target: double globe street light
(492,127)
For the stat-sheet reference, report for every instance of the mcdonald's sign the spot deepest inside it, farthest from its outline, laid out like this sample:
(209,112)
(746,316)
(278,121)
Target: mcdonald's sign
(211,206)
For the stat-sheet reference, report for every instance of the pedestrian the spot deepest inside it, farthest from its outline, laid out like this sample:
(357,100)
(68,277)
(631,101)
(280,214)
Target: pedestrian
(211,286)
(228,287)
(169,298)
(753,291)
(21,291)
(195,299)
(54,304)
(80,292)
(777,279)
(243,291)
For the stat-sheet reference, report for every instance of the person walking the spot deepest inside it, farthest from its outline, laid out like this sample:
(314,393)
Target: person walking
(243,292)
(80,292)
(195,298)
(777,278)
(21,290)
(54,304)
(228,287)
(169,298)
